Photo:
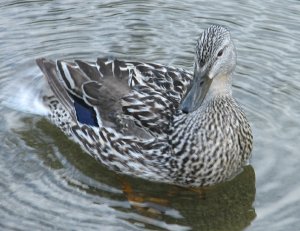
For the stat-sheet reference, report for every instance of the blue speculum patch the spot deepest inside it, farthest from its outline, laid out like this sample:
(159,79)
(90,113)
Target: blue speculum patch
(85,113)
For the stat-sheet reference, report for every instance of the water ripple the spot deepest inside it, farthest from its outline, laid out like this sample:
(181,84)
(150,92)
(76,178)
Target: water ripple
(46,183)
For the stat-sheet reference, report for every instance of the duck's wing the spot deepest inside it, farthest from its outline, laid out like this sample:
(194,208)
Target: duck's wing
(114,93)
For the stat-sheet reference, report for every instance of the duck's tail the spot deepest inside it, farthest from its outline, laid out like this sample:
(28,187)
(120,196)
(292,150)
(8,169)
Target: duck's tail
(25,94)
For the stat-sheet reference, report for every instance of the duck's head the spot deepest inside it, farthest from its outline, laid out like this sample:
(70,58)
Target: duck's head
(215,61)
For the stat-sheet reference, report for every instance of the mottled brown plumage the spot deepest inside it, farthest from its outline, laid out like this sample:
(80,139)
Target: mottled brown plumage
(152,121)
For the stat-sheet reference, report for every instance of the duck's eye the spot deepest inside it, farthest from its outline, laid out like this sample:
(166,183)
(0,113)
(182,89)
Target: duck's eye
(220,53)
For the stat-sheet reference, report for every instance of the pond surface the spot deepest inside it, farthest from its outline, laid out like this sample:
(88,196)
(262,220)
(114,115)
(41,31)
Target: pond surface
(48,183)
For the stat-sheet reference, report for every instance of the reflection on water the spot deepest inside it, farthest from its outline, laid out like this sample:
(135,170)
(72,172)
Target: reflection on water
(47,182)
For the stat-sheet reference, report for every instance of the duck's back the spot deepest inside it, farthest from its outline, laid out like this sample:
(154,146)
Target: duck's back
(134,98)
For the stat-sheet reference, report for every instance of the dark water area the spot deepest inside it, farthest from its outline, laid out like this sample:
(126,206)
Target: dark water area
(48,183)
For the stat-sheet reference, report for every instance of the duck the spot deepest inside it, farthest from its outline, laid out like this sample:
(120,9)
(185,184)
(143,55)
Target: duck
(152,121)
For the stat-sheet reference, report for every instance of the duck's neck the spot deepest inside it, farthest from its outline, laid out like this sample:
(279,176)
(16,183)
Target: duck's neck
(220,86)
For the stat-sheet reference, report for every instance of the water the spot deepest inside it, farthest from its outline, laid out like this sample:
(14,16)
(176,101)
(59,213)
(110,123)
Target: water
(47,183)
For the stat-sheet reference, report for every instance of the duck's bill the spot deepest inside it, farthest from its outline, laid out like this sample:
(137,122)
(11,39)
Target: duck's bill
(197,93)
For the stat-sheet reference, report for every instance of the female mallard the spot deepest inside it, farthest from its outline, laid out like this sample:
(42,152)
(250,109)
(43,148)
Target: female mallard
(152,121)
